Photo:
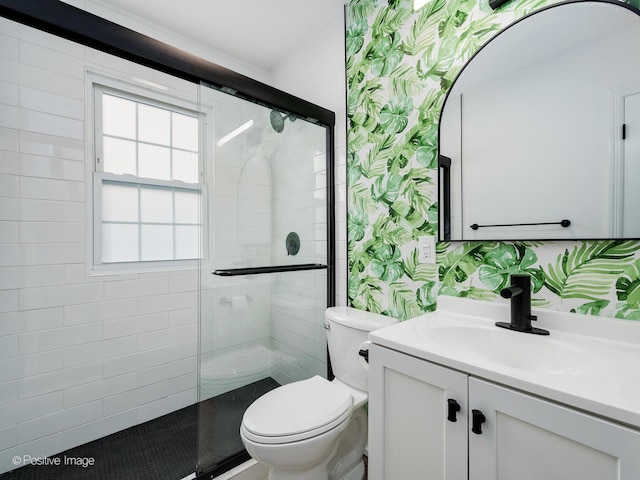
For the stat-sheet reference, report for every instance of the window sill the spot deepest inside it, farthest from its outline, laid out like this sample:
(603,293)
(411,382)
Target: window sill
(142,267)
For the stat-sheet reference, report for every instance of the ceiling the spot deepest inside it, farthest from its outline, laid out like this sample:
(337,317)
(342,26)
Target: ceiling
(258,32)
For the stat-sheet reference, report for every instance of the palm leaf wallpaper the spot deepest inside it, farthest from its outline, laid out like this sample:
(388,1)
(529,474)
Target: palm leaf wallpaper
(400,65)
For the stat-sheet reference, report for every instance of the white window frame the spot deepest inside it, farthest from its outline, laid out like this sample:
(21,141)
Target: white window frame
(97,84)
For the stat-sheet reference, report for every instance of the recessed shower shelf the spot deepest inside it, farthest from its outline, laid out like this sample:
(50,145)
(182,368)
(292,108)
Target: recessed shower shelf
(231,272)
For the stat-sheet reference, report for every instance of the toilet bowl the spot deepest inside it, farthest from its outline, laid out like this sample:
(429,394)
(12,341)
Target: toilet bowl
(316,429)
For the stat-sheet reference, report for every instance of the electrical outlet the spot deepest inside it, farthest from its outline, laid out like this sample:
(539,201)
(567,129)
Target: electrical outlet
(427,249)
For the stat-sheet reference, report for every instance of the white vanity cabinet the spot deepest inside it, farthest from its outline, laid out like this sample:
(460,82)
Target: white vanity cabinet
(523,437)
(409,434)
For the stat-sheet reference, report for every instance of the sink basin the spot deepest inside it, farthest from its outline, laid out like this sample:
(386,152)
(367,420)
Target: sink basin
(484,341)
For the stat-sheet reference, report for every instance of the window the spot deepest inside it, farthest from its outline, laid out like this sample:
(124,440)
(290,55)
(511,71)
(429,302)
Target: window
(146,192)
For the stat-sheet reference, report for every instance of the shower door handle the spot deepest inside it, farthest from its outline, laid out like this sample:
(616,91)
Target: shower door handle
(232,272)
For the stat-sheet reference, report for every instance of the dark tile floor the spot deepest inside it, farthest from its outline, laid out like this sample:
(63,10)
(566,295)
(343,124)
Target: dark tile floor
(164,448)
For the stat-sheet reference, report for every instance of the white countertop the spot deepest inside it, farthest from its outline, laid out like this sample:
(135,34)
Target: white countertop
(588,362)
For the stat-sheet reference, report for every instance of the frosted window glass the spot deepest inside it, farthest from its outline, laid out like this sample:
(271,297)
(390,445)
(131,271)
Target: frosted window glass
(156,242)
(187,245)
(187,207)
(154,162)
(119,156)
(119,243)
(119,203)
(154,124)
(156,205)
(185,132)
(147,215)
(185,166)
(118,116)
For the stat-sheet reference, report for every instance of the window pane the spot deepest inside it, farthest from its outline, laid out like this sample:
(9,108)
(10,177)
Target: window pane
(157,242)
(185,132)
(154,124)
(119,243)
(187,207)
(119,203)
(154,162)
(156,205)
(119,156)
(144,219)
(187,242)
(185,166)
(118,116)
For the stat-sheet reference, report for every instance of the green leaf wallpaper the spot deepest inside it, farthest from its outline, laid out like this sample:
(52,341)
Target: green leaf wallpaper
(400,65)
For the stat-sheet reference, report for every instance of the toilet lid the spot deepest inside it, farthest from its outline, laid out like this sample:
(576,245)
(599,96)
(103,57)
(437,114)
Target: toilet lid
(301,409)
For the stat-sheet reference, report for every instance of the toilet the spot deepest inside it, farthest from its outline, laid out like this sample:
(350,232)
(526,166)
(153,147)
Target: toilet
(316,429)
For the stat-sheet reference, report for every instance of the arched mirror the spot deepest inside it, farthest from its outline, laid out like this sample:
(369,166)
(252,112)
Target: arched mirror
(540,133)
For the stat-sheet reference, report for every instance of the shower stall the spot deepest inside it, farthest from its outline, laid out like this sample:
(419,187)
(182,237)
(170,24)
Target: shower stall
(166,250)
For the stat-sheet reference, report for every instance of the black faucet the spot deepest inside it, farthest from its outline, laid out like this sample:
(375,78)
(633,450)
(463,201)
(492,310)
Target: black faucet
(520,294)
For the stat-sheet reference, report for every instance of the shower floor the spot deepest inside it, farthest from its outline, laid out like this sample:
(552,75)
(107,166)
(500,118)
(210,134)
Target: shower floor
(162,449)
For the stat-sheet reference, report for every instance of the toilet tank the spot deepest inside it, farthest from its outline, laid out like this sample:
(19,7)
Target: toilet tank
(347,328)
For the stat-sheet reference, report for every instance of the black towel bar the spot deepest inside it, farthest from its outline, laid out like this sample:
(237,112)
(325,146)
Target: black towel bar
(565,223)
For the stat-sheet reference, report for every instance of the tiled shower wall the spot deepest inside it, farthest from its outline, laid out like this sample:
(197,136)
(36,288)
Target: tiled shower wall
(235,311)
(82,355)
(299,204)
(268,185)
(315,72)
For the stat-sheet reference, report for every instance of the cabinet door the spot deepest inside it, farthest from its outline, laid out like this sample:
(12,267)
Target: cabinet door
(410,437)
(526,438)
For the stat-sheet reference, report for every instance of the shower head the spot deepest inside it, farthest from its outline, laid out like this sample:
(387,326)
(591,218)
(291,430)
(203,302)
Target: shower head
(277,120)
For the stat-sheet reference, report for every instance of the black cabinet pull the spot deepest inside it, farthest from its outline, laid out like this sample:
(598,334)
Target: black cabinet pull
(452,408)
(477,419)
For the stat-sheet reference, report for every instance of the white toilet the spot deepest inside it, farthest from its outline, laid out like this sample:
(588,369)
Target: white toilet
(315,429)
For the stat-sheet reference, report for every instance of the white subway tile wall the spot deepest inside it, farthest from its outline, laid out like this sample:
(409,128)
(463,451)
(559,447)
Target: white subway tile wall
(85,356)
(297,308)
(80,356)
(266,187)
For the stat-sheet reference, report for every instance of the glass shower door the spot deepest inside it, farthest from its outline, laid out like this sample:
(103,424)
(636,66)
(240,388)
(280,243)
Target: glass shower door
(265,278)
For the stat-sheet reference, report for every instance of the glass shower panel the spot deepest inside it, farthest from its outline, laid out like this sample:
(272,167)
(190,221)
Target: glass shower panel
(264,285)
(252,343)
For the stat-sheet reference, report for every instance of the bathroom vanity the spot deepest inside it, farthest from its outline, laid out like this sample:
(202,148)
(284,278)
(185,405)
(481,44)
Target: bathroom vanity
(454,397)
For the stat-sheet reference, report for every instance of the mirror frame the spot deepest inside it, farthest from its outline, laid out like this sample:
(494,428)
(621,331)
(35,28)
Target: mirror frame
(444,163)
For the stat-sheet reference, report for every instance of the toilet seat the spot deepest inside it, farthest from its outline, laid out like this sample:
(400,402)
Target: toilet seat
(297,411)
